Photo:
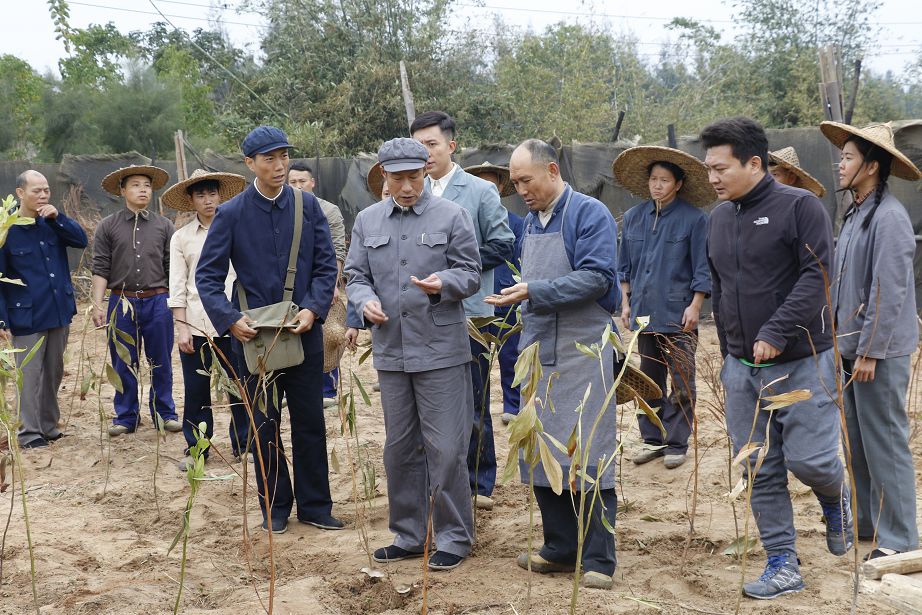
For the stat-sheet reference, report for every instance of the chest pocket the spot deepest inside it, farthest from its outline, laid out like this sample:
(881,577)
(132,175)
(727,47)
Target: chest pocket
(677,246)
(378,254)
(433,240)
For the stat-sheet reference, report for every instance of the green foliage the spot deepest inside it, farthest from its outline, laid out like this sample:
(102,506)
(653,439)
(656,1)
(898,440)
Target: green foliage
(21,93)
(97,55)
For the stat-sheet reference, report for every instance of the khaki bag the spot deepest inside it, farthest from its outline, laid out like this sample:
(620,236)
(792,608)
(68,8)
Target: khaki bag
(275,346)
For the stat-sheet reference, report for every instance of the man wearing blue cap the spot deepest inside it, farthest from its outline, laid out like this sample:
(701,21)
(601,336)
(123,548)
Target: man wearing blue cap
(253,231)
(412,261)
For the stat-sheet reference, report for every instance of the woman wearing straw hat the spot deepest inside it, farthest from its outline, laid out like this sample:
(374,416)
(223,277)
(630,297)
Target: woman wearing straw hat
(874,303)
(784,166)
(202,193)
(663,270)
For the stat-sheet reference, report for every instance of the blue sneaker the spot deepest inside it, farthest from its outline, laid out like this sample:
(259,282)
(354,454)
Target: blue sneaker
(781,576)
(840,535)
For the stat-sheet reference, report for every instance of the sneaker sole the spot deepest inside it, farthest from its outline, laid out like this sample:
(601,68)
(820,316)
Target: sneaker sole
(281,531)
(438,567)
(779,594)
(386,560)
(322,526)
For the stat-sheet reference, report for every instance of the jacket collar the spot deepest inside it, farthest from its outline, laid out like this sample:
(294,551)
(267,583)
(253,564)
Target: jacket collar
(144,214)
(665,211)
(422,203)
(758,193)
(257,197)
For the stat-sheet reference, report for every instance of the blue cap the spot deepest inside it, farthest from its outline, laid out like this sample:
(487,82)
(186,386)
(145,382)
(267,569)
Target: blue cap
(403,154)
(264,139)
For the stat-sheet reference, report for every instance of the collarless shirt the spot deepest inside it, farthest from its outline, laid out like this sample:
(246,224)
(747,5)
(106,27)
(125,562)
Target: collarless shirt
(439,185)
(663,256)
(132,250)
(185,250)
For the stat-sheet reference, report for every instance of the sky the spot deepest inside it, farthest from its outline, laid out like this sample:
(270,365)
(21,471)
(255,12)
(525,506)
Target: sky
(27,31)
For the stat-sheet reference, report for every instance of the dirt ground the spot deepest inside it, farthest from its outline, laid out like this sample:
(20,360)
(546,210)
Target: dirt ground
(102,548)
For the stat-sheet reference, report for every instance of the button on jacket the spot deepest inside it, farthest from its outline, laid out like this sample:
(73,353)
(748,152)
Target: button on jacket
(132,251)
(37,255)
(664,258)
(253,234)
(423,332)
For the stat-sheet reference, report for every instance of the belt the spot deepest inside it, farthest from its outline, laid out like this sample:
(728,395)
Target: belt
(140,294)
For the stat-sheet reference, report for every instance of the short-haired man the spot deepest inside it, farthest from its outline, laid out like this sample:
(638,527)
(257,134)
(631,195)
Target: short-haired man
(253,232)
(131,258)
(768,245)
(42,309)
(436,130)
(202,193)
(412,260)
(301,177)
(568,292)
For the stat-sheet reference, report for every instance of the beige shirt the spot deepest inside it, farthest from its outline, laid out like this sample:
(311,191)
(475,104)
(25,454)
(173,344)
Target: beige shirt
(185,250)
(438,185)
(337,228)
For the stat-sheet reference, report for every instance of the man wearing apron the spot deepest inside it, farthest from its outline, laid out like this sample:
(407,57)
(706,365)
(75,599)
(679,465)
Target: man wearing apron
(568,294)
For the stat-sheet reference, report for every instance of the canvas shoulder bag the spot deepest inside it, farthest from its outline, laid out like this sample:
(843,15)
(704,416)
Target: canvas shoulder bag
(275,346)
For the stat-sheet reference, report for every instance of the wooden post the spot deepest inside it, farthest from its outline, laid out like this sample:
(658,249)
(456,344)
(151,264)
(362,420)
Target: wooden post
(854,96)
(617,130)
(407,94)
(182,172)
(670,136)
(831,99)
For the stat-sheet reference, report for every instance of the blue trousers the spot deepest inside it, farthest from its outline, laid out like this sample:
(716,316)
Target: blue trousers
(483,472)
(508,355)
(560,524)
(149,324)
(330,379)
(302,386)
(668,357)
(198,395)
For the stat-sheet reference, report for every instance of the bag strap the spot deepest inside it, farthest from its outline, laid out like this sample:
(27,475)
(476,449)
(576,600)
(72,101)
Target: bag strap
(292,256)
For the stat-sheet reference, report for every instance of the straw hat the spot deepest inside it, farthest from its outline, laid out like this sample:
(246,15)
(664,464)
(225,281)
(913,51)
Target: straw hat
(375,180)
(229,185)
(506,187)
(786,158)
(334,336)
(635,383)
(112,183)
(880,135)
(630,169)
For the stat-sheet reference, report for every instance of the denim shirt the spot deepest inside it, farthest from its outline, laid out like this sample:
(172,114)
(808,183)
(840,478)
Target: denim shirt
(503,277)
(664,259)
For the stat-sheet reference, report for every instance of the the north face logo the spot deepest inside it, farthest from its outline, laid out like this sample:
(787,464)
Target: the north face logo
(760,221)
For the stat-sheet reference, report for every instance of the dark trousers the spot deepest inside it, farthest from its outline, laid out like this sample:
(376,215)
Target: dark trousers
(198,394)
(483,472)
(670,356)
(508,355)
(302,386)
(561,530)
(149,325)
(330,380)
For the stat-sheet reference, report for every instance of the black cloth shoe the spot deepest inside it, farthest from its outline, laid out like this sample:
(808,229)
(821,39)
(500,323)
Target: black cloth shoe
(324,522)
(441,560)
(60,435)
(36,443)
(393,553)
(878,553)
(279,526)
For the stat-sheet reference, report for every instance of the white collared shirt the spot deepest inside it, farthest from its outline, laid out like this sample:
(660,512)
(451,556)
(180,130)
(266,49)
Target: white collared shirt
(185,250)
(545,216)
(439,185)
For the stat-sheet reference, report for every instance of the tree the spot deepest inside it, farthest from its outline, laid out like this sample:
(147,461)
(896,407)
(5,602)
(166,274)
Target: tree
(21,91)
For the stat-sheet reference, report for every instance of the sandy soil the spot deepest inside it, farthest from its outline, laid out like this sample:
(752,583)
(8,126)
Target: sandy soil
(101,545)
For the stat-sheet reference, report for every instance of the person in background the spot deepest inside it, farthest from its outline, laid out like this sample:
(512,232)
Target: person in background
(874,306)
(201,193)
(40,310)
(784,166)
(131,258)
(664,274)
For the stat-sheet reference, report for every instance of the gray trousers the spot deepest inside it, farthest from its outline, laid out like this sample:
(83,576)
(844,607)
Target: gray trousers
(803,438)
(41,379)
(878,436)
(427,428)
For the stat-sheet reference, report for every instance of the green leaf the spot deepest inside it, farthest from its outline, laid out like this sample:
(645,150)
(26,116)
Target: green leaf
(362,392)
(607,525)
(123,353)
(651,414)
(126,337)
(524,363)
(586,350)
(365,355)
(512,464)
(551,467)
(114,379)
(32,352)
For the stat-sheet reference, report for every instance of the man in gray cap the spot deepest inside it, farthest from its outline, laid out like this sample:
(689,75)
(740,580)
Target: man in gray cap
(412,260)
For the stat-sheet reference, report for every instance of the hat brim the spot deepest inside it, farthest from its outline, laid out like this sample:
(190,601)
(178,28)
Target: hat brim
(630,171)
(112,183)
(804,179)
(902,167)
(178,197)
(506,188)
(403,164)
(265,149)
(375,180)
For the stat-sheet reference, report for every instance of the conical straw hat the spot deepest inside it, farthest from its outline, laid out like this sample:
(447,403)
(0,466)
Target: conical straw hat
(786,158)
(112,183)
(229,185)
(375,180)
(506,187)
(630,170)
(880,135)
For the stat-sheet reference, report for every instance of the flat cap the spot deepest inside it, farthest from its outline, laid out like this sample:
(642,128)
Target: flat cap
(402,154)
(263,139)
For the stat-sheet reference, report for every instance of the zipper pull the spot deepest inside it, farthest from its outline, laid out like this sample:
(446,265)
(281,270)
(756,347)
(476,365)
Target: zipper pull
(738,207)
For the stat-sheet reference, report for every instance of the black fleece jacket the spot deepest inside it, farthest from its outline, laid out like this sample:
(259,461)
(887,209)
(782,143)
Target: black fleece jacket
(767,252)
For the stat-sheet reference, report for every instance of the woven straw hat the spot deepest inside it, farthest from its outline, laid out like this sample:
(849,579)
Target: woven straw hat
(229,185)
(630,170)
(880,135)
(112,183)
(375,180)
(786,158)
(506,187)
(334,336)
(635,383)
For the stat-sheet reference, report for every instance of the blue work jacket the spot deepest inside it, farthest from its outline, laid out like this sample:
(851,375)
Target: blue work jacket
(503,275)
